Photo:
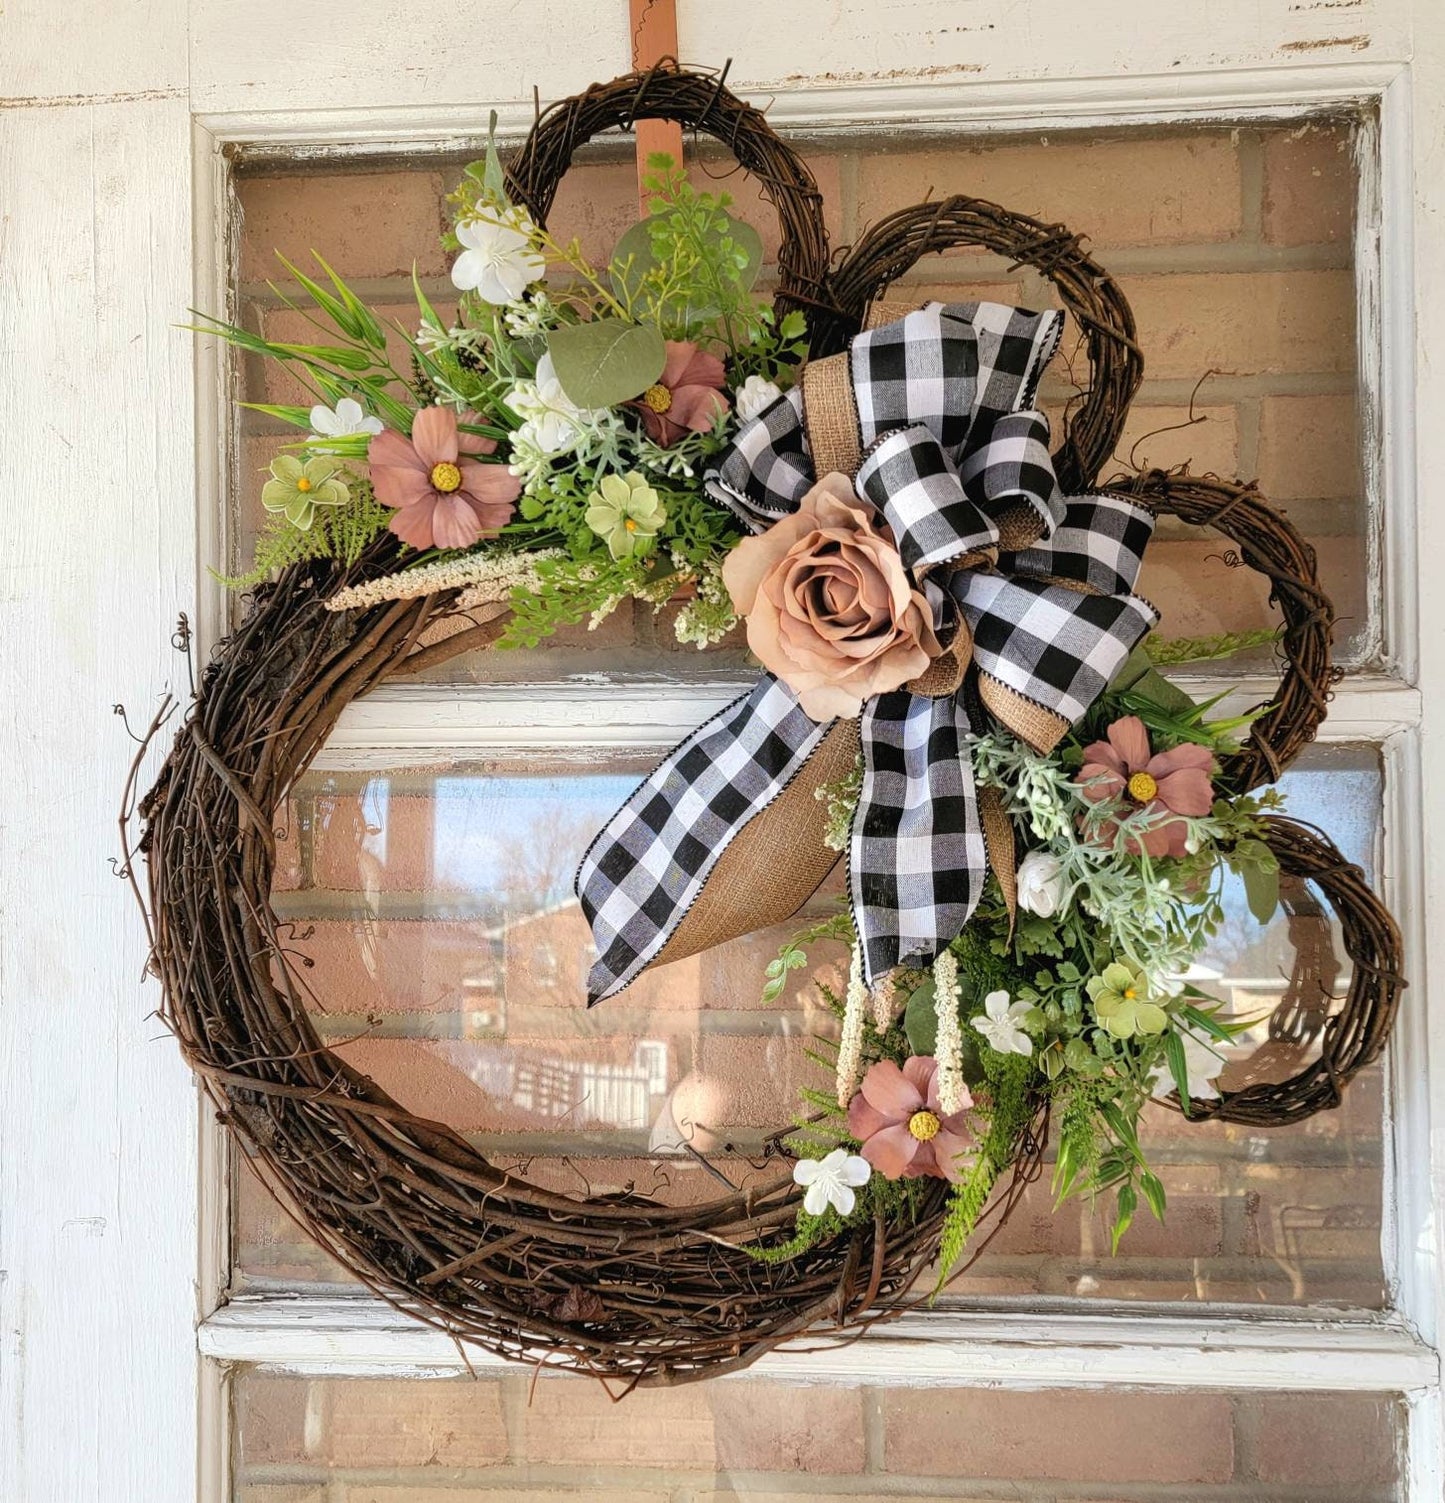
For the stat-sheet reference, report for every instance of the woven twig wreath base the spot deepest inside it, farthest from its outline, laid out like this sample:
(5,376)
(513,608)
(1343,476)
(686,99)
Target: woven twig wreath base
(620,1286)
(1354,1033)
(699,102)
(1085,289)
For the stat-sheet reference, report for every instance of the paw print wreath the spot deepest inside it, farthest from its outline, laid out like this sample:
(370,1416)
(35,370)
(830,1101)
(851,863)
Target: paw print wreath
(959,698)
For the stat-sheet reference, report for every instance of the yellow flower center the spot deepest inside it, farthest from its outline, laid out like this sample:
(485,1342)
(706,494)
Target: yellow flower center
(659,398)
(923,1126)
(445,477)
(1129,993)
(303,485)
(630,525)
(1142,788)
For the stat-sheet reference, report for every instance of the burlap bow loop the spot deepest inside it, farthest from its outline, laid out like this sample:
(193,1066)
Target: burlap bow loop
(931,418)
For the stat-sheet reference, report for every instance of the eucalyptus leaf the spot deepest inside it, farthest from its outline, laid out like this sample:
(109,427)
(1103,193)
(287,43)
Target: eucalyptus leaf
(920,1027)
(1261,890)
(606,361)
(633,261)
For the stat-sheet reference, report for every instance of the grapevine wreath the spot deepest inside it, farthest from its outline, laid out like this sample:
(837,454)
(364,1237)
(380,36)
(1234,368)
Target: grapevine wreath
(959,698)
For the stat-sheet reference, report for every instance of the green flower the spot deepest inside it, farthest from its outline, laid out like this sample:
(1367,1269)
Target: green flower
(1120,998)
(298,489)
(625,512)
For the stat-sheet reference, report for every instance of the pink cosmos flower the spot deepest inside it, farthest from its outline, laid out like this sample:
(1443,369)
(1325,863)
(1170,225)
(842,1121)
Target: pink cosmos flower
(686,397)
(1173,782)
(903,1130)
(443,497)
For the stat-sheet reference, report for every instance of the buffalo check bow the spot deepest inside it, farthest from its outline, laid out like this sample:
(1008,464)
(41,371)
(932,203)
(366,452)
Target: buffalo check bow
(1034,587)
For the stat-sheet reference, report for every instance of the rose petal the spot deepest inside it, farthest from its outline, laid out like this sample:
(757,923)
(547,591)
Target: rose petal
(1129,738)
(1187,791)
(825,702)
(892,1151)
(434,436)
(891,1092)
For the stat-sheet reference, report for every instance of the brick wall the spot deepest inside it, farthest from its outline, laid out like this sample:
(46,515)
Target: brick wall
(1234,247)
(362,1441)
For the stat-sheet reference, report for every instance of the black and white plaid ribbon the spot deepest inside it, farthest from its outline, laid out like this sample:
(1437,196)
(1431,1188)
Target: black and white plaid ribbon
(958,466)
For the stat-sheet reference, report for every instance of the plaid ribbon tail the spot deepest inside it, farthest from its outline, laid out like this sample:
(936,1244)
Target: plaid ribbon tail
(917,858)
(651,860)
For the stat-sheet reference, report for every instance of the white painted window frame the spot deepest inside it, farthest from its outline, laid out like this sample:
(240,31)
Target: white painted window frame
(1167,1348)
(115,1341)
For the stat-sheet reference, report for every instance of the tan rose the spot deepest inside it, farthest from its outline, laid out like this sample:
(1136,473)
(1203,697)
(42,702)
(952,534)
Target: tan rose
(830,607)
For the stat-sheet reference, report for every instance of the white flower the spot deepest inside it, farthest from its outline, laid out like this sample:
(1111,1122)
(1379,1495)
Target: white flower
(1041,884)
(348,418)
(1204,1063)
(753,396)
(831,1181)
(552,420)
(1001,1025)
(528,319)
(499,261)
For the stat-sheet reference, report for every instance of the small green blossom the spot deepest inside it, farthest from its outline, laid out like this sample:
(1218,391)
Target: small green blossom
(1121,1002)
(626,513)
(298,488)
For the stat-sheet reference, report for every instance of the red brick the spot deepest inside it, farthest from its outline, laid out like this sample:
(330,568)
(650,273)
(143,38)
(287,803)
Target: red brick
(370,1423)
(1309,185)
(1059,1435)
(1309,447)
(1164,437)
(1168,190)
(596,203)
(432,1423)
(364,224)
(740,1425)
(271,1419)
(1339,1440)
(1264,322)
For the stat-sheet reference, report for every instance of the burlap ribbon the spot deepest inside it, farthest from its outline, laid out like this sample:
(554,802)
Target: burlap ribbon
(929,415)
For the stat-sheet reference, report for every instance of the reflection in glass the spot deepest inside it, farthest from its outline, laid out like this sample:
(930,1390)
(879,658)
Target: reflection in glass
(451,959)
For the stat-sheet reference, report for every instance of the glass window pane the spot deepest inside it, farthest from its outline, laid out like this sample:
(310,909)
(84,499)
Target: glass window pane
(1234,247)
(448,960)
(520,1436)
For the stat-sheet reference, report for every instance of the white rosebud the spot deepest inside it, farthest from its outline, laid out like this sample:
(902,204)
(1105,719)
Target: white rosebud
(755,395)
(1041,884)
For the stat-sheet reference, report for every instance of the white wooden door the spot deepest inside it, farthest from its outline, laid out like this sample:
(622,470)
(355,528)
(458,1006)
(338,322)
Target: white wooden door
(116,123)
